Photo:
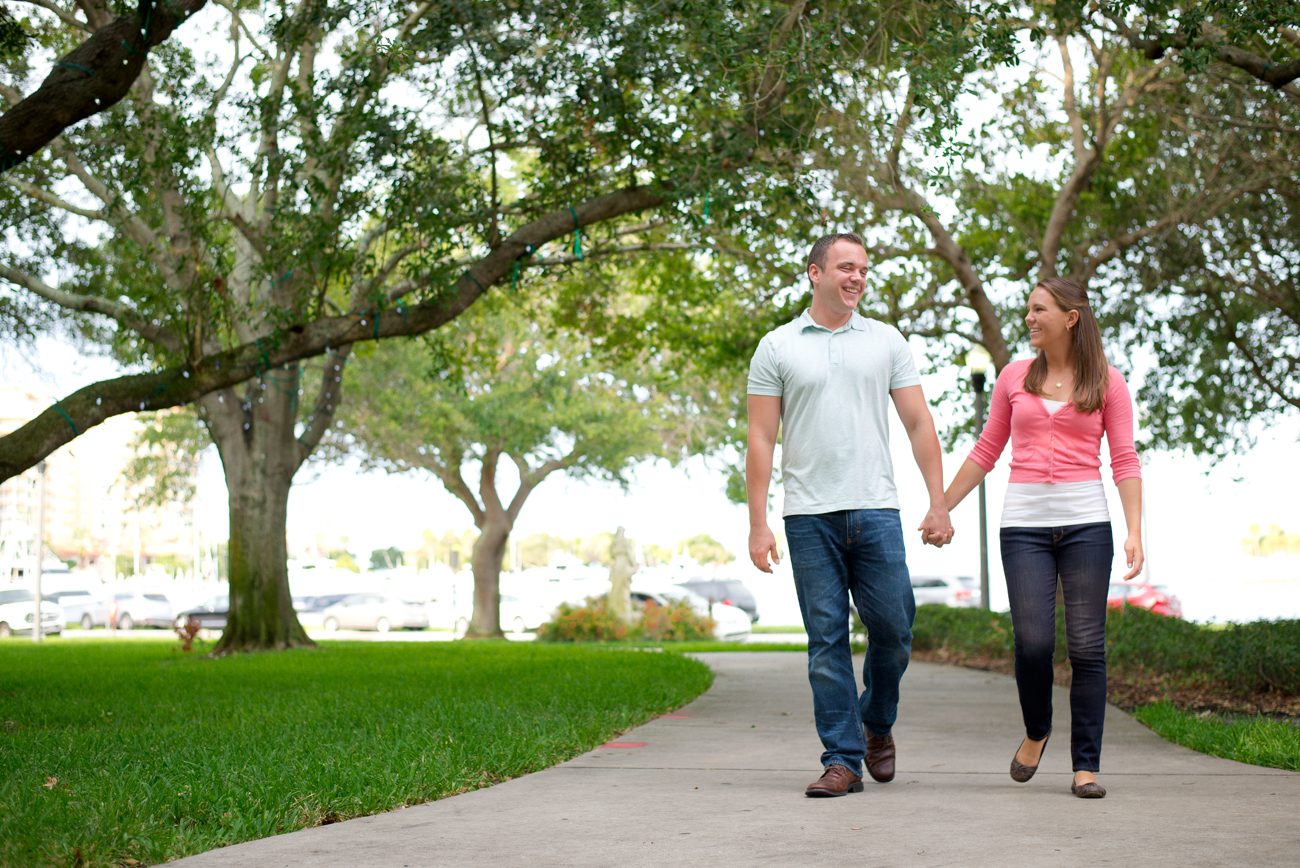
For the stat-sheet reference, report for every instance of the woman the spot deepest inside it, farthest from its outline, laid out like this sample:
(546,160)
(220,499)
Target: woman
(1055,409)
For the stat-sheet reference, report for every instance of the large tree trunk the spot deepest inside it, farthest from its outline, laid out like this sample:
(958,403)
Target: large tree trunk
(260,456)
(489,551)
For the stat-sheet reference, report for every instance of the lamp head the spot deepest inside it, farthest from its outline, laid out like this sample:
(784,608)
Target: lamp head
(978,360)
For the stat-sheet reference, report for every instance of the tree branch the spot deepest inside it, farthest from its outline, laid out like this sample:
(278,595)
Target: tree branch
(327,401)
(130,224)
(92,77)
(31,191)
(1279,76)
(487,481)
(170,387)
(530,478)
(908,201)
(1068,196)
(92,304)
(602,252)
(1196,211)
(1071,103)
(457,486)
(69,20)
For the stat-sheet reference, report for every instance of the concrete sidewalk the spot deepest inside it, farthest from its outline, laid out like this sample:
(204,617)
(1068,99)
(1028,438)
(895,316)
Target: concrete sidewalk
(721,782)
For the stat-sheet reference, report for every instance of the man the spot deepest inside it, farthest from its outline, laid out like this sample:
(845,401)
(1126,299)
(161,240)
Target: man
(825,377)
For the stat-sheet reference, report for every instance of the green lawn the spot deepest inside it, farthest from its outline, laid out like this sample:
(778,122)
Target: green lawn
(112,751)
(1256,740)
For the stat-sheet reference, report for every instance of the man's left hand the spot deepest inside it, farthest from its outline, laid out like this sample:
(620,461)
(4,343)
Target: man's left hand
(936,527)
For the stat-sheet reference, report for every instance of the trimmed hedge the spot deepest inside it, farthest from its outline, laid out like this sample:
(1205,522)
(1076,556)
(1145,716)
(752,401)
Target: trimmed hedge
(1262,656)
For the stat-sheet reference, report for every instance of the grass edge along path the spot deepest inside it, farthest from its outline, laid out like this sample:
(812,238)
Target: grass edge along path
(130,753)
(1228,691)
(1253,739)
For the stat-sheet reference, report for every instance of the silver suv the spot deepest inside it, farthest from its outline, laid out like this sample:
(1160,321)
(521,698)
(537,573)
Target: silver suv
(132,609)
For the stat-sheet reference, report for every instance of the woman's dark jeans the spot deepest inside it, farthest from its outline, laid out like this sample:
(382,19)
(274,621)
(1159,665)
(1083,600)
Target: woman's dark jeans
(1032,558)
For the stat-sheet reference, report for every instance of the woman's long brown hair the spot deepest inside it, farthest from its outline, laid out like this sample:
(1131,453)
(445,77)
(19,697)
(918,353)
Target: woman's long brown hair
(1091,371)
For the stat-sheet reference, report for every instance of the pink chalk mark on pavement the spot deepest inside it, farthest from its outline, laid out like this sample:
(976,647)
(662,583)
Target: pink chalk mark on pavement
(624,744)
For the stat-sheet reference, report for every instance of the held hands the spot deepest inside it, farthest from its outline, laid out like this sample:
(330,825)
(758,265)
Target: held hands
(936,527)
(1133,555)
(762,545)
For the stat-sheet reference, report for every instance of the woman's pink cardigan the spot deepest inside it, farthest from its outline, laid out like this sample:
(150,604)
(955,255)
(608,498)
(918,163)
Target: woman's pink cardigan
(1064,446)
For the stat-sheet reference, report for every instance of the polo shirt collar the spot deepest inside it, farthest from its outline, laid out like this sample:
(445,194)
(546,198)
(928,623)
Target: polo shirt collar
(857,322)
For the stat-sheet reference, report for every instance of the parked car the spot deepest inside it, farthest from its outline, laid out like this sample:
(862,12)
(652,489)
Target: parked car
(86,609)
(311,608)
(522,616)
(730,591)
(131,609)
(1153,598)
(18,613)
(959,591)
(372,611)
(731,623)
(211,613)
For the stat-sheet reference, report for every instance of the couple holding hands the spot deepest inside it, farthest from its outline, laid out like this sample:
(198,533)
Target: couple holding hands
(824,380)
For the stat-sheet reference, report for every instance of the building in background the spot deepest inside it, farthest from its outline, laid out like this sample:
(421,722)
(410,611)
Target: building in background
(91,520)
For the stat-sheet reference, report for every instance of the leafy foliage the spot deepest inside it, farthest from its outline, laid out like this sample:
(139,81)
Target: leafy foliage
(165,456)
(13,38)
(706,550)
(593,622)
(1147,174)
(499,383)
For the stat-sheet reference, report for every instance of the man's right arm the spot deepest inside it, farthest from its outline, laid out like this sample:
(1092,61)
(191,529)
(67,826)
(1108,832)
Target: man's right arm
(764,421)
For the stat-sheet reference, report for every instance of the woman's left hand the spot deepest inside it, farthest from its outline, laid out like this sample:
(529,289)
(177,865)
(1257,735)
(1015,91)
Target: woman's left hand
(1133,554)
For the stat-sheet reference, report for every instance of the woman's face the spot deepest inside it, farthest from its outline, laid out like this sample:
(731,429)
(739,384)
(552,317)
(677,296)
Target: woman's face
(1048,324)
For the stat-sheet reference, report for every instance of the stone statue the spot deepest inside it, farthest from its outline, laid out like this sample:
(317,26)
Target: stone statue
(620,577)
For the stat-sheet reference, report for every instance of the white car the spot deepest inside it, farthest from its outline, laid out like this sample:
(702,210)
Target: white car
(18,613)
(523,616)
(959,591)
(731,624)
(374,612)
(131,609)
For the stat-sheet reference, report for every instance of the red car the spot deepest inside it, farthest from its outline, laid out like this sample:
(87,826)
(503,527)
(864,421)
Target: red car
(1153,598)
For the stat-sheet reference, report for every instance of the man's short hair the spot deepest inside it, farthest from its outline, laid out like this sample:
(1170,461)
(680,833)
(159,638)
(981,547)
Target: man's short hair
(817,256)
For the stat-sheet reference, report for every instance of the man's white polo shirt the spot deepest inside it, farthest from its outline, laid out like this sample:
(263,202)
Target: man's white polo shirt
(834,389)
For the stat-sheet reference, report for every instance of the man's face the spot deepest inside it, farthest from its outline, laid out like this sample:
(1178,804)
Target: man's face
(838,287)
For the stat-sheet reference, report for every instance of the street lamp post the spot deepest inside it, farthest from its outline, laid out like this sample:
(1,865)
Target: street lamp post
(977,360)
(40,550)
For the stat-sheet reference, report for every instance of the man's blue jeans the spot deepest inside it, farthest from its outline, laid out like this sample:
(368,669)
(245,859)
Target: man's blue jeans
(836,556)
(1032,558)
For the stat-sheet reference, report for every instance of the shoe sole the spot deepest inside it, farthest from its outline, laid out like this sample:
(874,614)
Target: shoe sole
(827,794)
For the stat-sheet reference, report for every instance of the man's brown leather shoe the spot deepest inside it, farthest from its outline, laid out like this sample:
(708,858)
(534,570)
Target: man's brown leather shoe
(880,757)
(835,781)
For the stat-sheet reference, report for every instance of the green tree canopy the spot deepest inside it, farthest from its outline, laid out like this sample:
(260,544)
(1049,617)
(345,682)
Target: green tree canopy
(1165,183)
(504,385)
(333,173)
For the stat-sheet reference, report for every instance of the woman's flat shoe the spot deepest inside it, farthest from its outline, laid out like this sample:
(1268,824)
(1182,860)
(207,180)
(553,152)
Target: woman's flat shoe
(1021,772)
(1090,790)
